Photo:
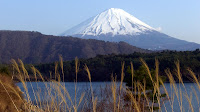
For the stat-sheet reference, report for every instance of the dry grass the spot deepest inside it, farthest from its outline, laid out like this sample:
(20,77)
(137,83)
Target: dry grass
(10,95)
(113,98)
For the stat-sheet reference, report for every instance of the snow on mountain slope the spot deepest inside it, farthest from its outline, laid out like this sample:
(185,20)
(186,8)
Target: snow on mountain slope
(116,25)
(112,21)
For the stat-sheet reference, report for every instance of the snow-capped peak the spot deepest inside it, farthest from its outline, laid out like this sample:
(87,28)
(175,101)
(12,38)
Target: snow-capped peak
(113,21)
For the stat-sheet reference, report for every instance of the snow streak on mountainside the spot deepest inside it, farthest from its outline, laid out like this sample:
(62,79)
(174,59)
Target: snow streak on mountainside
(112,21)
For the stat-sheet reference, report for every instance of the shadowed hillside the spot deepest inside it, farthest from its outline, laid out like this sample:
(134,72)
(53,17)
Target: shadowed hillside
(34,47)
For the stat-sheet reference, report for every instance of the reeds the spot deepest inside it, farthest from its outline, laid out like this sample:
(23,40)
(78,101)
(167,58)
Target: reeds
(115,97)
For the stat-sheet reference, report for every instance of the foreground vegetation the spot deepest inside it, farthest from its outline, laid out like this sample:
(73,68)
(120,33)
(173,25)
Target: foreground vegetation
(134,98)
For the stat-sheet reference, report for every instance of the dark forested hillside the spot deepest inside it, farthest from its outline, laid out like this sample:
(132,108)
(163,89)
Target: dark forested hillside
(34,47)
(103,66)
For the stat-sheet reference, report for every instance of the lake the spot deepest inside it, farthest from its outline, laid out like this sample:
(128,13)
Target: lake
(191,90)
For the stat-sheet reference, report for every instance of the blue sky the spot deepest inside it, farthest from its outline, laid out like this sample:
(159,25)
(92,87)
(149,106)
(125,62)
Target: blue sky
(177,18)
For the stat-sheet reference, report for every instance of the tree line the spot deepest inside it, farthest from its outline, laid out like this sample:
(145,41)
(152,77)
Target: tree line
(102,67)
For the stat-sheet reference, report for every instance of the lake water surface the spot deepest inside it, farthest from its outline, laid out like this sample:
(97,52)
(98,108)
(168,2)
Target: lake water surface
(191,90)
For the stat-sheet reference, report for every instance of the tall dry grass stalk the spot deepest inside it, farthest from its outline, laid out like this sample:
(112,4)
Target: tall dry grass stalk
(114,92)
(94,101)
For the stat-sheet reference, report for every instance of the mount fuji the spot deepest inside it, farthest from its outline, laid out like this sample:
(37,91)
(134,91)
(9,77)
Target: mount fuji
(116,25)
